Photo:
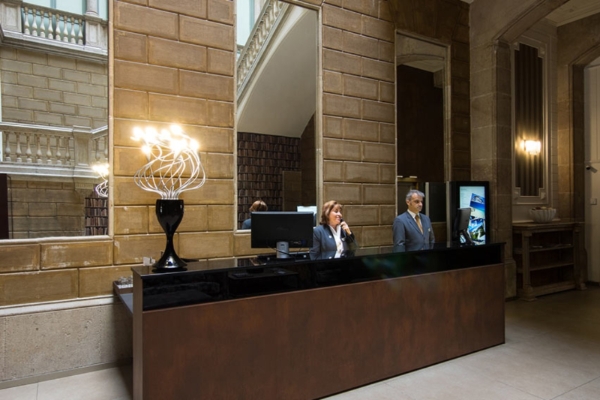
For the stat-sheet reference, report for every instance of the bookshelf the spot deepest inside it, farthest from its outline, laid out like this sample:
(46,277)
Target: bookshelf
(261,162)
(96,216)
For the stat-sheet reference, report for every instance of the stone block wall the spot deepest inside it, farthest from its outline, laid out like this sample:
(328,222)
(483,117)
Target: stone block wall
(174,63)
(49,89)
(46,207)
(358,131)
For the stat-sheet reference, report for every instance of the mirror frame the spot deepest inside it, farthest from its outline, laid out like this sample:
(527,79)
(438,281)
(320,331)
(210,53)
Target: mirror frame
(318,115)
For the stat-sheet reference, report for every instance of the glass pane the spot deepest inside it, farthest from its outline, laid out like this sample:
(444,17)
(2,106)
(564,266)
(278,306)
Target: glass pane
(245,20)
(43,3)
(103,9)
(72,6)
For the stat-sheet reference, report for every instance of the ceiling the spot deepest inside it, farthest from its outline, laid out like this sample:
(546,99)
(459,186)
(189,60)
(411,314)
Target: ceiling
(569,12)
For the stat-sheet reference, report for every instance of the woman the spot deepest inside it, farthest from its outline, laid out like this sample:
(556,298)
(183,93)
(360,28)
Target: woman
(258,205)
(333,236)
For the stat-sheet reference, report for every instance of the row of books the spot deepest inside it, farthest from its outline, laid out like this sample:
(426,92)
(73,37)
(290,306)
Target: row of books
(269,185)
(277,151)
(96,212)
(253,194)
(96,221)
(255,140)
(95,230)
(95,202)
(268,162)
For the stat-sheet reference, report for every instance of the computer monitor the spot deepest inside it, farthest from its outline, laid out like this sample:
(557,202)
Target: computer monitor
(312,209)
(281,230)
(475,195)
(460,230)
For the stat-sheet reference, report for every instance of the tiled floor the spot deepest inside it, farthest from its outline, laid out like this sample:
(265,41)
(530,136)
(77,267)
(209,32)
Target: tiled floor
(552,351)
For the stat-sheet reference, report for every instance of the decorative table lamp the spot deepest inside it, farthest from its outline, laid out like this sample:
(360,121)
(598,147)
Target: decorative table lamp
(173,167)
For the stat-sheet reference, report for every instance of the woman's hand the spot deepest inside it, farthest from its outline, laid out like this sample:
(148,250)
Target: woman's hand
(345,227)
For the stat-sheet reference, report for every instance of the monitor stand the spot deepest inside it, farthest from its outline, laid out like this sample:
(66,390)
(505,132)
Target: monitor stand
(283,250)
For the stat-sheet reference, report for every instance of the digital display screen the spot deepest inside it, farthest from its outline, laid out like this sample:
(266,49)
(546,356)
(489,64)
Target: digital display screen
(474,197)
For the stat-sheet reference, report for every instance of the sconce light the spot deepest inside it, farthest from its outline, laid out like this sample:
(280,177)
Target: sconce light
(532,147)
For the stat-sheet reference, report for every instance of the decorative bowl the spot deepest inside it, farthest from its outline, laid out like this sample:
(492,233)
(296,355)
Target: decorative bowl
(542,215)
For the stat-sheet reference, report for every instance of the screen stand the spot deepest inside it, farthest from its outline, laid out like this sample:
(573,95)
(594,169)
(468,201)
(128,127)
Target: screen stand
(465,235)
(283,250)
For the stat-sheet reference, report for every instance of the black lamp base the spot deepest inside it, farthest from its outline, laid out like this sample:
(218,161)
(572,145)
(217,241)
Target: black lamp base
(169,214)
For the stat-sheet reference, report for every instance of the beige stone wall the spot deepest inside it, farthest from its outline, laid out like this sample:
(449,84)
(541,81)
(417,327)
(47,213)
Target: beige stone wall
(174,63)
(48,89)
(46,207)
(54,341)
(358,131)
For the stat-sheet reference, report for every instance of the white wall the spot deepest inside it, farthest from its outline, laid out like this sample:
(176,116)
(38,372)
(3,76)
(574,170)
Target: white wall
(592,175)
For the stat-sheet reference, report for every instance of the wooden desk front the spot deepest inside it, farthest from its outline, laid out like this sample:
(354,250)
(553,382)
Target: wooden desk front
(310,343)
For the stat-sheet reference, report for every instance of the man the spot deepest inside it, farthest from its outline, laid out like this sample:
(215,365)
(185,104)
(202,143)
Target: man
(413,229)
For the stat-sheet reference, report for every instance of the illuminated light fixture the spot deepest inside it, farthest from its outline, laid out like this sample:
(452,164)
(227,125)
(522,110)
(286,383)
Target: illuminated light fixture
(173,167)
(532,147)
(101,169)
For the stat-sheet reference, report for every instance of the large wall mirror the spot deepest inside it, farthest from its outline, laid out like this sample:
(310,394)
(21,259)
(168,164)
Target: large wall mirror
(276,104)
(54,116)
(421,76)
(530,127)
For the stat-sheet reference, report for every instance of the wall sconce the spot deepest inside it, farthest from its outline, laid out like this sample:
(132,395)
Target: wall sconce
(532,147)
(173,167)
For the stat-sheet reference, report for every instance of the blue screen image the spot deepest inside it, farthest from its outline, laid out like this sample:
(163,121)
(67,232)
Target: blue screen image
(474,197)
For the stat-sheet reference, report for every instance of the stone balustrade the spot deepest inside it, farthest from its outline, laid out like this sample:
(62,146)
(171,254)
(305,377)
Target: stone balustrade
(52,151)
(25,24)
(270,16)
(53,24)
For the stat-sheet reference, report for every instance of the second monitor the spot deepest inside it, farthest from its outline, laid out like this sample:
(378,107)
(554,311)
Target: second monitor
(281,230)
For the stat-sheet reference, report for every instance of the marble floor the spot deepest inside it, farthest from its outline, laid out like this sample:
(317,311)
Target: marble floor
(552,351)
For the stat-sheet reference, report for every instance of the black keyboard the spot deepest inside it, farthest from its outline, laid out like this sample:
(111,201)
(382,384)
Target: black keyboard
(272,258)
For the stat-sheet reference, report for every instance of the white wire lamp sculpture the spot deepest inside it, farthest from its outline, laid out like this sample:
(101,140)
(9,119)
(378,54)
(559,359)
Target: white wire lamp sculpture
(101,169)
(173,167)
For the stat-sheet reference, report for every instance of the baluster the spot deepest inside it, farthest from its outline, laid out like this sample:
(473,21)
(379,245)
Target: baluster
(66,21)
(49,150)
(68,151)
(57,27)
(27,25)
(105,146)
(18,152)
(96,147)
(34,27)
(38,153)
(57,153)
(80,32)
(73,30)
(7,149)
(28,149)
(43,24)
(50,25)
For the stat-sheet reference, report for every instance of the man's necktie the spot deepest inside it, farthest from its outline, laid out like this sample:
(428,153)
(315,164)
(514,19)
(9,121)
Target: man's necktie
(418,219)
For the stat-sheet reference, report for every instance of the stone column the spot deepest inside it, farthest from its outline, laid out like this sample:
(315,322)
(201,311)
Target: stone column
(92,8)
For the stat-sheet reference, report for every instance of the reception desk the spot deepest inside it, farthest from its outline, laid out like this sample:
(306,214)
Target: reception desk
(305,329)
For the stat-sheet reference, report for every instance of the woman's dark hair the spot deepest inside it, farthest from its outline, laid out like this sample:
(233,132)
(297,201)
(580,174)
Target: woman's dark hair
(258,205)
